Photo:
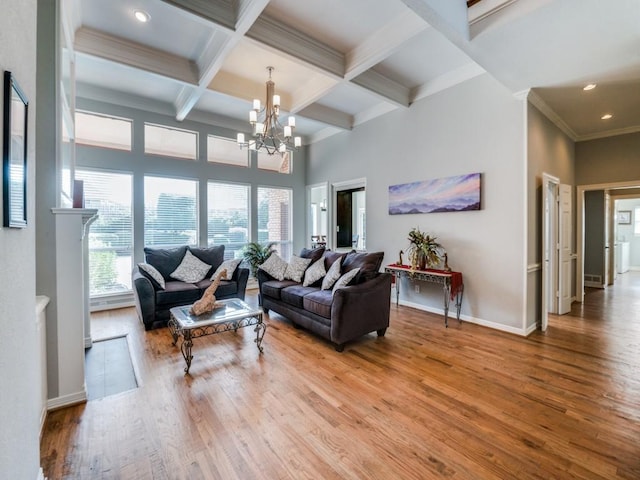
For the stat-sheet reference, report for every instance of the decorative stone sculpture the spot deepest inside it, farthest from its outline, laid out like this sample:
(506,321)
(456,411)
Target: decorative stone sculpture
(208,301)
(400,260)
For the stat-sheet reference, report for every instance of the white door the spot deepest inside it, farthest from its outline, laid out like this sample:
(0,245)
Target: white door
(564,245)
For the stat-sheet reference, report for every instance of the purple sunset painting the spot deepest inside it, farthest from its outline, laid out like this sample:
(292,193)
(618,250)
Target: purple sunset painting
(449,194)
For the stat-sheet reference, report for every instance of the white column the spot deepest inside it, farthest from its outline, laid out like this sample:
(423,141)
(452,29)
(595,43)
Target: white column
(72,225)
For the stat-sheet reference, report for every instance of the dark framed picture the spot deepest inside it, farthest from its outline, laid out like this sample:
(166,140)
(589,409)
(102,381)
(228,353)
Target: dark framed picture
(14,154)
(624,217)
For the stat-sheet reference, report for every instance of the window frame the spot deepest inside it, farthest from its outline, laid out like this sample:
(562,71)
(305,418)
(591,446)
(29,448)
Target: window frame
(288,244)
(170,154)
(76,138)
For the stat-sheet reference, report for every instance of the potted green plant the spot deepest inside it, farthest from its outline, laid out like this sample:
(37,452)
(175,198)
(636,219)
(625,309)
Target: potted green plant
(423,249)
(255,254)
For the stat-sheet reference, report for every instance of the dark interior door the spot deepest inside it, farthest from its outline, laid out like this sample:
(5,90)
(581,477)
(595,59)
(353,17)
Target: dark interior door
(343,218)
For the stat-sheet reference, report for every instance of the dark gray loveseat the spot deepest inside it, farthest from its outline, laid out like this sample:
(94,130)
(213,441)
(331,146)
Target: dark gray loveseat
(153,302)
(352,311)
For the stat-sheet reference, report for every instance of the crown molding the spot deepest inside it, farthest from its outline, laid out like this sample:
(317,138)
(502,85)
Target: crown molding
(99,44)
(548,112)
(609,133)
(220,12)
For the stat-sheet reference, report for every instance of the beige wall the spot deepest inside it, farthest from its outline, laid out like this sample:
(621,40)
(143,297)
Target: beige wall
(608,160)
(549,151)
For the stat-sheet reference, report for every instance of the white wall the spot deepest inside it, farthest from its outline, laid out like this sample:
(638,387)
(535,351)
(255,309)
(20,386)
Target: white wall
(624,233)
(476,126)
(19,345)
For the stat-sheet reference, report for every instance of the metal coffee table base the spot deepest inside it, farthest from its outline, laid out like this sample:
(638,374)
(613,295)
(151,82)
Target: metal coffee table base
(188,334)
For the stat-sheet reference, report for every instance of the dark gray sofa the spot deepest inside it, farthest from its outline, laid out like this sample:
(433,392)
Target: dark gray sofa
(153,302)
(353,311)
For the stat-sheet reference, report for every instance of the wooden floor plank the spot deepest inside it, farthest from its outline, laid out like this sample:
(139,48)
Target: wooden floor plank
(465,402)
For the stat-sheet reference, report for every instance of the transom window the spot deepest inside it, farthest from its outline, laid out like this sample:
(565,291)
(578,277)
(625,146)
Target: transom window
(276,162)
(224,150)
(103,131)
(170,142)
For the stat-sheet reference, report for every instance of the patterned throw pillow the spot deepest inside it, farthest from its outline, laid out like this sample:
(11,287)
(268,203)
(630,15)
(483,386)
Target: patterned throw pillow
(344,280)
(332,275)
(296,267)
(314,273)
(275,266)
(191,269)
(230,266)
(152,274)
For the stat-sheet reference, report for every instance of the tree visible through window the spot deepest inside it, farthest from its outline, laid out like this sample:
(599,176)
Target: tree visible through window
(170,212)
(111,235)
(274,218)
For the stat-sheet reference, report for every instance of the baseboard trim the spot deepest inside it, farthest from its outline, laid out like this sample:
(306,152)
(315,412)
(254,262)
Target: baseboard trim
(67,400)
(593,284)
(478,321)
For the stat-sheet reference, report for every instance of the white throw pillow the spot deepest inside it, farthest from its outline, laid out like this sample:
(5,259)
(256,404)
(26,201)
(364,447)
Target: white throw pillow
(191,269)
(332,275)
(275,266)
(314,273)
(344,280)
(230,266)
(296,267)
(152,272)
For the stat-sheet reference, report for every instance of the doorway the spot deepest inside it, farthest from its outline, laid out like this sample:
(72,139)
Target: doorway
(350,215)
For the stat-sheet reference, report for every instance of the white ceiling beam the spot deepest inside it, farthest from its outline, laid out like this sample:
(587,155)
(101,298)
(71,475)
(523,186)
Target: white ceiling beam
(220,12)
(384,87)
(382,43)
(328,115)
(450,17)
(218,48)
(296,44)
(136,55)
(446,80)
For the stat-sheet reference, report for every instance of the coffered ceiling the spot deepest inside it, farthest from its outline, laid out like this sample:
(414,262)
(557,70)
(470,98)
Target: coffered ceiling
(341,63)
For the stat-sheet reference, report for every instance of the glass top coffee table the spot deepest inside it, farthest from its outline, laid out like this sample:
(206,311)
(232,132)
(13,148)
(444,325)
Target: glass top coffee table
(231,315)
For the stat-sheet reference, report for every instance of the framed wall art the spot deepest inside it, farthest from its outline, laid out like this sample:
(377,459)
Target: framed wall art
(624,217)
(14,154)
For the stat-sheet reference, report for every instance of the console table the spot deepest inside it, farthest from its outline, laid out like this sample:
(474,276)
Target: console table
(451,282)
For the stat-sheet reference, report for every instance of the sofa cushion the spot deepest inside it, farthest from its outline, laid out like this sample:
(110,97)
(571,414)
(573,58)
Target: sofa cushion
(330,257)
(318,302)
(296,267)
(314,254)
(294,294)
(368,263)
(228,265)
(212,255)
(272,288)
(191,269)
(165,260)
(345,279)
(275,266)
(225,288)
(314,273)
(176,292)
(333,274)
(152,274)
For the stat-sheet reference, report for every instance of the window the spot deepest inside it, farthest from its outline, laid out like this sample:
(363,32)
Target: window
(170,142)
(111,235)
(228,217)
(103,131)
(276,162)
(274,218)
(170,212)
(223,150)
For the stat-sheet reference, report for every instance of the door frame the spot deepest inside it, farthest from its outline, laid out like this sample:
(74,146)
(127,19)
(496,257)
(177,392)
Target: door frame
(337,187)
(580,189)
(327,197)
(549,245)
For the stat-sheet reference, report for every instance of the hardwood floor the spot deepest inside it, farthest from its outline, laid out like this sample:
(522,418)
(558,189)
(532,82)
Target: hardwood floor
(423,402)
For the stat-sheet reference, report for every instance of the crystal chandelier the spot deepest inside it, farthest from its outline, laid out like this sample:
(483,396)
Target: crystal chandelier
(270,135)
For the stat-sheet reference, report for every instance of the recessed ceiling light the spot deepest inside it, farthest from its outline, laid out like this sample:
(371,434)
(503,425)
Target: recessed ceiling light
(141,16)
(606,116)
(591,86)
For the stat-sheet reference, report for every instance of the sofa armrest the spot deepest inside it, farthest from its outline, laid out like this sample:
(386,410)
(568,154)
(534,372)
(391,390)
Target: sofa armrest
(145,297)
(262,277)
(241,275)
(360,309)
